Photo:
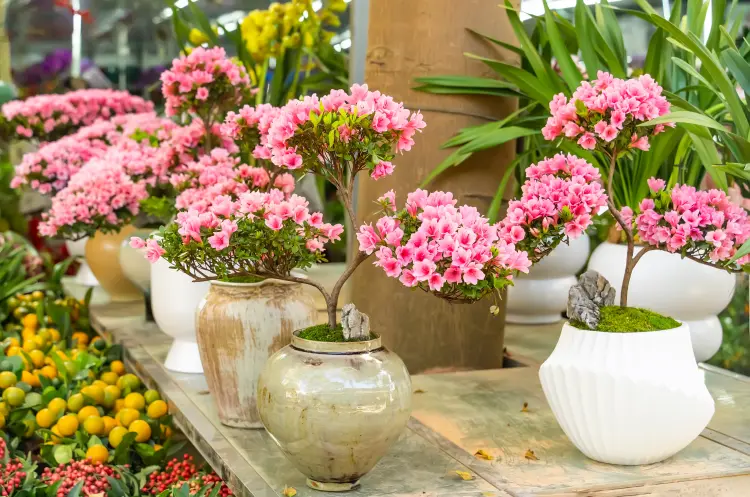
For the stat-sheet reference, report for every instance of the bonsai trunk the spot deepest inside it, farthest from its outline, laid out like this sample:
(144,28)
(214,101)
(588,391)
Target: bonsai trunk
(630,261)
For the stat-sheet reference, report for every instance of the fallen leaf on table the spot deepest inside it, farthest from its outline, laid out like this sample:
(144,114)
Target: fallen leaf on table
(419,390)
(530,455)
(465,475)
(289,492)
(525,407)
(481,454)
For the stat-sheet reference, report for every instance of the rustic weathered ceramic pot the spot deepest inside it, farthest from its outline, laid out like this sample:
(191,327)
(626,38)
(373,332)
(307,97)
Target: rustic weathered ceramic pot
(239,326)
(627,398)
(103,256)
(334,408)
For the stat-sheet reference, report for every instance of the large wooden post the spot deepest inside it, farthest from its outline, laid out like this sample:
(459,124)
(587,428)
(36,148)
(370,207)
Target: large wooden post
(408,39)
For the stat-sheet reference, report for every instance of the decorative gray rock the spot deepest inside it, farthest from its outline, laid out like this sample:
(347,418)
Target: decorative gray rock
(585,298)
(356,324)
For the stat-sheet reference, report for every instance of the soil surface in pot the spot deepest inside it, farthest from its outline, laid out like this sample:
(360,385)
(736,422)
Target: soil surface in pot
(324,333)
(616,319)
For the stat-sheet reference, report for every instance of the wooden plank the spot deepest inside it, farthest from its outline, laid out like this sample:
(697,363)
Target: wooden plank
(736,486)
(483,410)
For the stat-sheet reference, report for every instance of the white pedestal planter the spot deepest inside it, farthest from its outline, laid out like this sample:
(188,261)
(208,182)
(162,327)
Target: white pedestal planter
(78,250)
(680,288)
(174,302)
(542,295)
(627,398)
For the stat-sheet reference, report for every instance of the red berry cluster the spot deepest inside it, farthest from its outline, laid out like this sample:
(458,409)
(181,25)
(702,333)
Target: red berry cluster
(93,474)
(212,479)
(11,476)
(3,448)
(176,471)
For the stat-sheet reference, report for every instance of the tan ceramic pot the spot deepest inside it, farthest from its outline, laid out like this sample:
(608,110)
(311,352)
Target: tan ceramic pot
(334,409)
(239,326)
(103,257)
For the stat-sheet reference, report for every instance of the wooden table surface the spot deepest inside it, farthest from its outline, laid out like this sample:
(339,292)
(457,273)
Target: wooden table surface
(454,415)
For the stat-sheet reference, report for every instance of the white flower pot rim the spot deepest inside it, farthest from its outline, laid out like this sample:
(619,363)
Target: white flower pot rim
(317,347)
(682,326)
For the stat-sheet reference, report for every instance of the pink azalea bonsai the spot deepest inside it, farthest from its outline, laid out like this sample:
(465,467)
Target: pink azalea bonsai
(611,116)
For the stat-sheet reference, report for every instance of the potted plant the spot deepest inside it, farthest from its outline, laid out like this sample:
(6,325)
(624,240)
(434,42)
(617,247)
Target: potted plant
(555,55)
(613,356)
(336,383)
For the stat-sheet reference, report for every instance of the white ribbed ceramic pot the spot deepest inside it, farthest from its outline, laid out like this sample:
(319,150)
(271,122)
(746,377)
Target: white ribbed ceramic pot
(241,325)
(77,249)
(174,303)
(334,408)
(627,398)
(683,289)
(542,295)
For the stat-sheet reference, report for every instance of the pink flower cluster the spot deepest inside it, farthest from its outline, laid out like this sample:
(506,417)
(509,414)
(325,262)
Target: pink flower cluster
(395,124)
(220,173)
(250,125)
(705,224)
(438,247)
(100,196)
(226,215)
(204,78)
(49,169)
(606,111)
(49,117)
(560,196)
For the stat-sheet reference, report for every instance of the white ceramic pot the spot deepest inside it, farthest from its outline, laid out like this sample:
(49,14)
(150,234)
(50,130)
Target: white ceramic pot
(134,263)
(680,288)
(174,303)
(84,276)
(627,398)
(334,409)
(542,295)
(241,325)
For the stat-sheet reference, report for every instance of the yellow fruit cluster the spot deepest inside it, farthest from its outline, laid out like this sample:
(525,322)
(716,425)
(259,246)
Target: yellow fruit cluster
(99,401)
(268,33)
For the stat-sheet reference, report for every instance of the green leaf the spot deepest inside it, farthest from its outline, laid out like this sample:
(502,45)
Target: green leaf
(203,22)
(735,169)
(607,21)
(458,81)
(739,68)
(497,200)
(585,27)
(687,117)
(711,66)
(570,72)
(742,251)
(539,66)
(76,490)
(63,454)
(122,455)
(506,46)
(497,137)
(706,149)
(524,80)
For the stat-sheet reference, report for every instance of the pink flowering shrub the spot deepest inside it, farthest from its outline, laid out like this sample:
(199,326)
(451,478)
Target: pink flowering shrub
(701,225)
(50,117)
(202,82)
(48,169)
(255,233)
(249,128)
(604,114)
(452,252)
(559,199)
(342,134)
(220,173)
(101,197)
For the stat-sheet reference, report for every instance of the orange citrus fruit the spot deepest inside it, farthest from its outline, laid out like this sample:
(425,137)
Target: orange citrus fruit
(115,436)
(97,453)
(46,418)
(157,409)
(142,429)
(68,425)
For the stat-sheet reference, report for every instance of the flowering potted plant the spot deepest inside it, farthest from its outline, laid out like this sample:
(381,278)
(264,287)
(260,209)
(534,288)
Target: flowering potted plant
(50,117)
(609,356)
